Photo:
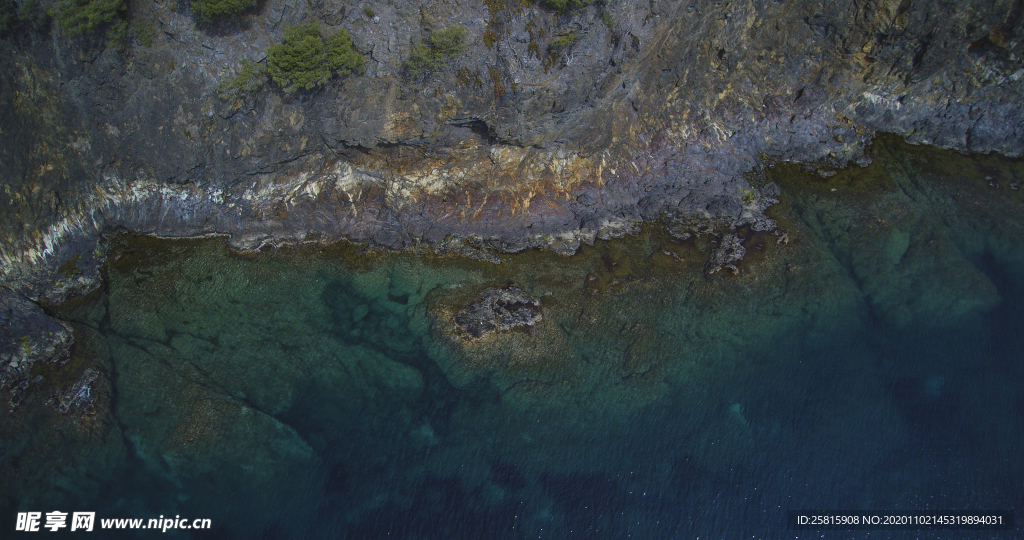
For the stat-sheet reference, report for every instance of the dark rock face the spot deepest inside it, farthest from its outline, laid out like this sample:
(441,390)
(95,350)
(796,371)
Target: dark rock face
(655,109)
(27,336)
(500,310)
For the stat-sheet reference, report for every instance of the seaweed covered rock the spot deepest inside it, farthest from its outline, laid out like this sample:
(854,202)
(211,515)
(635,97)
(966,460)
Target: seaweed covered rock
(500,309)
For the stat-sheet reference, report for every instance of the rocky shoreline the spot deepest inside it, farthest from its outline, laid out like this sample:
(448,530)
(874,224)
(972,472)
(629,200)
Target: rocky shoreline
(651,111)
(314,371)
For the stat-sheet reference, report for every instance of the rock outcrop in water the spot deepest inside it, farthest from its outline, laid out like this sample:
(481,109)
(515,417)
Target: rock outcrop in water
(78,397)
(499,309)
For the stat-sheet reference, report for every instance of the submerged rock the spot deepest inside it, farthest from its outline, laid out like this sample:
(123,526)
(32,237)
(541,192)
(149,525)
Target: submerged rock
(500,309)
(909,230)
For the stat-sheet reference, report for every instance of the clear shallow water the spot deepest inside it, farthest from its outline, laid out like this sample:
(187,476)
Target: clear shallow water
(875,362)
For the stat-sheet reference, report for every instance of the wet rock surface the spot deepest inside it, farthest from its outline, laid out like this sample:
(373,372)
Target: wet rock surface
(27,336)
(78,398)
(729,251)
(500,310)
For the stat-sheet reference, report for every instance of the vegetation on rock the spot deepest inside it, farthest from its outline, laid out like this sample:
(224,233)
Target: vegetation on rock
(211,9)
(558,46)
(306,59)
(6,13)
(501,12)
(23,15)
(562,6)
(432,53)
(144,32)
(608,20)
(89,17)
(249,79)
(562,42)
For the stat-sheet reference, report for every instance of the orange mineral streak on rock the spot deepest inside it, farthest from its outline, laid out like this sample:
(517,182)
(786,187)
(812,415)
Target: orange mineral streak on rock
(479,182)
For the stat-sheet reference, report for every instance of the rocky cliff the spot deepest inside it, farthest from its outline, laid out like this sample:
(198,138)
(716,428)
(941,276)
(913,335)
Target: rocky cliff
(548,129)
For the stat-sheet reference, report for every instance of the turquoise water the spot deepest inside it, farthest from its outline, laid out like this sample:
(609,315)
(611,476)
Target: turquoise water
(873,363)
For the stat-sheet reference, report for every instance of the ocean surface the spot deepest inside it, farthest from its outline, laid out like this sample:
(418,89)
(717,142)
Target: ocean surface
(869,358)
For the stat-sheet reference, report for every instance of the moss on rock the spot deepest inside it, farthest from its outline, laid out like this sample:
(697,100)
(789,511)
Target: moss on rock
(562,6)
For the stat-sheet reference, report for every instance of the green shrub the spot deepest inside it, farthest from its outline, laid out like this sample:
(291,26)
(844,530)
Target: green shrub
(561,43)
(421,61)
(211,9)
(557,47)
(86,17)
(562,6)
(249,79)
(368,11)
(448,42)
(342,58)
(144,33)
(26,10)
(607,19)
(6,14)
(432,53)
(305,60)
(28,13)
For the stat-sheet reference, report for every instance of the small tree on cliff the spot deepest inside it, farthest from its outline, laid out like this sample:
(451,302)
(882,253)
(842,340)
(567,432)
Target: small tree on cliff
(305,60)
(211,9)
(562,6)
(249,79)
(92,17)
(433,52)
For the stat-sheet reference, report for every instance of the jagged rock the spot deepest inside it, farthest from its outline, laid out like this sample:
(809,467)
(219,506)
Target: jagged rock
(78,397)
(27,336)
(729,252)
(472,247)
(499,310)
(755,202)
